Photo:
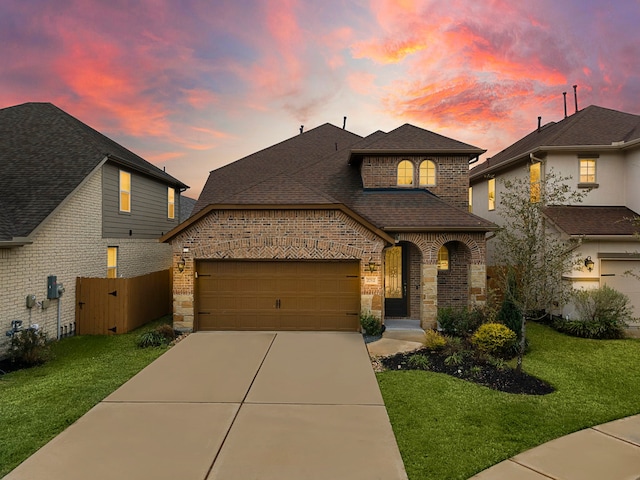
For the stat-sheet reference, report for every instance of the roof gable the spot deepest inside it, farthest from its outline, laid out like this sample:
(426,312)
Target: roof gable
(410,137)
(45,154)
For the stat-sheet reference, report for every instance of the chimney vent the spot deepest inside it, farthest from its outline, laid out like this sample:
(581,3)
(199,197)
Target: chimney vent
(301,128)
(539,122)
(575,96)
(344,123)
(564,94)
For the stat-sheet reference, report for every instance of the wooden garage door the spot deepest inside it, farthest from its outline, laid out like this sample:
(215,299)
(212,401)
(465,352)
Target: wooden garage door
(239,295)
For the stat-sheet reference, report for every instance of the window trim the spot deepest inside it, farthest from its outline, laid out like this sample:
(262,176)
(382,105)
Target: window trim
(412,170)
(491,194)
(123,191)
(171,203)
(594,174)
(428,163)
(112,267)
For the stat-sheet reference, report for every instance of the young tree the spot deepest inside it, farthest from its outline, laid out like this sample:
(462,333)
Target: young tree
(530,250)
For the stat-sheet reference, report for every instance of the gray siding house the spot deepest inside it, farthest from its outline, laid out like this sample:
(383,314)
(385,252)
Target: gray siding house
(73,203)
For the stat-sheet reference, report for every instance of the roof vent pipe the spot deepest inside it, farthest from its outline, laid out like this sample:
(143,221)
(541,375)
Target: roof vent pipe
(539,121)
(344,123)
(564,94)
(301,128)
(575,96)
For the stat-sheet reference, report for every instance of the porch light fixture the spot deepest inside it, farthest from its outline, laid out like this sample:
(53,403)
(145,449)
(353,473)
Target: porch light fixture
(372,265)
(181,265)
(589,263)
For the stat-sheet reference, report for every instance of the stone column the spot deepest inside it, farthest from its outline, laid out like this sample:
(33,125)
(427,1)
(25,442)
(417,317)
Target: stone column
(429,311)
(478,284)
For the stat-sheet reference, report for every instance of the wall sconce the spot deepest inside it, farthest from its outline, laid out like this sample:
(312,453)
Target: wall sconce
(181,265)
(589,263)
(372,265)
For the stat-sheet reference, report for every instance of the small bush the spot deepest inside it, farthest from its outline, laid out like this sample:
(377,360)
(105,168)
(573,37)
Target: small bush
(455,359)
(460,322)
(453,345)
(152,338)
(602,314)
(29,347)
(494,339)
(418,362)
(434,340)
(371,324)
(167,332)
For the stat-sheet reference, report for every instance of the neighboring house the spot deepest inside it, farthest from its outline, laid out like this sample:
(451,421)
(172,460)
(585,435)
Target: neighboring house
(313,231)
(600,149)
(186,207)
(73,204)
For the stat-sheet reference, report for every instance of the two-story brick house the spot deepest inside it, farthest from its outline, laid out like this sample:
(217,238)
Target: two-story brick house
(312,231)
(600,149)
(73,204)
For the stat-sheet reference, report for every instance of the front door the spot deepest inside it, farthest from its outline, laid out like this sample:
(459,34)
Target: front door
(395,281)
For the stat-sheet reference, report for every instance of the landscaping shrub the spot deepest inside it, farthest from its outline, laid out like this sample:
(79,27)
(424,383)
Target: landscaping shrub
(460,322)
(29,347)
(494,339)
(152,338)
(371,324)
(418,362)
(602,314)
(510,315)
(434,340)
(167,332)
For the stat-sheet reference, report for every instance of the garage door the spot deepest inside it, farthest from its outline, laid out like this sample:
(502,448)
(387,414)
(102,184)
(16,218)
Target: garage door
(614,273)
(238,295)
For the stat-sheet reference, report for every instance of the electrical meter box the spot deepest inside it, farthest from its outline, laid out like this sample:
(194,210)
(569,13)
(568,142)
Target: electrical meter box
(52,287)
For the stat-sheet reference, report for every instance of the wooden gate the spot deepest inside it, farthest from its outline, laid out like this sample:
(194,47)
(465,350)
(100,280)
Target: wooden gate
(119,305)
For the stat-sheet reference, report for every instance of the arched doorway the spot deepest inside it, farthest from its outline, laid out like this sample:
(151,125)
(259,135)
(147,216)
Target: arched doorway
(402,281)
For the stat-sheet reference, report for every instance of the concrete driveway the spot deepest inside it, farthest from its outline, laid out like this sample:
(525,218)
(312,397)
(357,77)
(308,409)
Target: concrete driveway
(235,405)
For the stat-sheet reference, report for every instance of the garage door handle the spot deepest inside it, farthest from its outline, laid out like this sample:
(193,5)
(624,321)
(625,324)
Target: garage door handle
(349,313)
(277,303)
(204,313)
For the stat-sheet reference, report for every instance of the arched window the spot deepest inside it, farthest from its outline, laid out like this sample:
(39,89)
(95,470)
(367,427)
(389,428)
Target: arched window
(427,173)
(443,258)
(405,173)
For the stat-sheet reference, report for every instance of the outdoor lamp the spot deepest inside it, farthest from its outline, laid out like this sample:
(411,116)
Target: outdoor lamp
(181,265)
(372,265)
(588,263)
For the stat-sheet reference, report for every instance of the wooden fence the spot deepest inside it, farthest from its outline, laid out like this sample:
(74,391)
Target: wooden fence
(119,305)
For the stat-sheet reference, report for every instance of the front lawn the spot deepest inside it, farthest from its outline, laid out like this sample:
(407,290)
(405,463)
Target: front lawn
(38,403)
(451,429)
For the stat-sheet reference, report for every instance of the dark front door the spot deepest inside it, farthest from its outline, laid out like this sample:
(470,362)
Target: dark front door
(395,281)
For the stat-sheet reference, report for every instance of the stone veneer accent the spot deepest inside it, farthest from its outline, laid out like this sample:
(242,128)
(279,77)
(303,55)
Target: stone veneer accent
(69,245)
(452,175)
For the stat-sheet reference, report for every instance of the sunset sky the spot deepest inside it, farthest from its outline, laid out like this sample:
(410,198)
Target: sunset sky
(193,85)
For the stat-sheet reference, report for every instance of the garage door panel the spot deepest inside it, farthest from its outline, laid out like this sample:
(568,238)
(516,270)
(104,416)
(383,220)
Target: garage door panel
(239,295)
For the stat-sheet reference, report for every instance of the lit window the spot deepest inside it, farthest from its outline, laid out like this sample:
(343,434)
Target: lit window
(470,199)
(587,170)
(427,173)
(491,189)
(112,262)
(443,258)
(125,191)
(534,182)
(405,173)
(171,202)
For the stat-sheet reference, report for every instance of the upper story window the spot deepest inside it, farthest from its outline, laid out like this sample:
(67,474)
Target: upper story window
(112,262)
(443,258)
(491,190)
(470,199)
(171,202)
(534,182)
(405,173)
(587,170)
(125,191)
(427,173)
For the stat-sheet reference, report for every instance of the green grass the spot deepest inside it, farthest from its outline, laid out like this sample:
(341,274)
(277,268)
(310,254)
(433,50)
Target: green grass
(451,429)
(38,403)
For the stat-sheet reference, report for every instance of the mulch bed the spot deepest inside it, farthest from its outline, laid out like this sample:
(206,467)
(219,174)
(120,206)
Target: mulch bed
(474,370)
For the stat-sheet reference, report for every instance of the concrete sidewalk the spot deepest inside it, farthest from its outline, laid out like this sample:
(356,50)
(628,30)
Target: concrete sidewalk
(610,451)
(235,405)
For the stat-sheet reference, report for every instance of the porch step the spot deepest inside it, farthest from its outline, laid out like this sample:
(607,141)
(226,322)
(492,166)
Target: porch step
(404,329)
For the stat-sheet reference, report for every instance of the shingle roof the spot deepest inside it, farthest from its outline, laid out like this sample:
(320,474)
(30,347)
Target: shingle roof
(186,207)
(45,153)
(592,126)
(587,220)
(309,169)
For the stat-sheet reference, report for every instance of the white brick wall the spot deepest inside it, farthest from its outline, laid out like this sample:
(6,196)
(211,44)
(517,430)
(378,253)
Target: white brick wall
(69,245)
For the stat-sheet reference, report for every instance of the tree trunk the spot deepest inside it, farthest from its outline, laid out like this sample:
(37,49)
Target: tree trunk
(523,343)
